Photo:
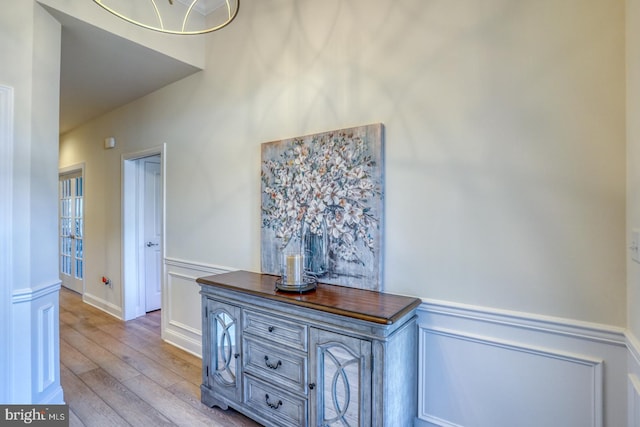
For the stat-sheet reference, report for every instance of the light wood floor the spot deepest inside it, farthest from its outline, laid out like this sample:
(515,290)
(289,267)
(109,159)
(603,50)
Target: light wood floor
(118,373)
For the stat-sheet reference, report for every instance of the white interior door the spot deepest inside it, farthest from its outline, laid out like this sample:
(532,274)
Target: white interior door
(71,226)
(152,224)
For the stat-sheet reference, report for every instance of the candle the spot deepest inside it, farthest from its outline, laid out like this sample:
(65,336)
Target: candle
(294,269)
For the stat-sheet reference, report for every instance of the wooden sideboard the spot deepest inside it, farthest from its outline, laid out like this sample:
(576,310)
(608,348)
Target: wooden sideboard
(335,356)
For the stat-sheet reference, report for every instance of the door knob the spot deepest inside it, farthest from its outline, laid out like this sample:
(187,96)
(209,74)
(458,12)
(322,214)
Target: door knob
(149,244)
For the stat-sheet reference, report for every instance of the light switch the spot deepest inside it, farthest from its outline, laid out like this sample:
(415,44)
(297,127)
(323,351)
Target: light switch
(635,241)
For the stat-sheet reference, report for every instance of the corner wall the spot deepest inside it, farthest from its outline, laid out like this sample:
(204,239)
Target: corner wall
(30,37)
(633,207)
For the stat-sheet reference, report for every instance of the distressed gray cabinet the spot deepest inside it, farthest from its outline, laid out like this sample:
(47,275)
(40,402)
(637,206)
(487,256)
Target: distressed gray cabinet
(335,356)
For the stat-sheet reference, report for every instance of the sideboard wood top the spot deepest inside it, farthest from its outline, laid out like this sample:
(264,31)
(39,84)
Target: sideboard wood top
(372,306)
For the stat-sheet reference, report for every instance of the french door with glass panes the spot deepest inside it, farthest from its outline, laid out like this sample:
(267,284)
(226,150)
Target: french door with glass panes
(71,226)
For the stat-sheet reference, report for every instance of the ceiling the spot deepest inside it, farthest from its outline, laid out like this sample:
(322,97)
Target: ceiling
(101,71)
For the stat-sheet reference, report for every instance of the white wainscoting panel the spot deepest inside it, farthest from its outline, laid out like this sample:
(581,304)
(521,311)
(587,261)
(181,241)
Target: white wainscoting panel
(480,367)
(633,380)
(34,352)
(182,314)
(634,400)
(47,339)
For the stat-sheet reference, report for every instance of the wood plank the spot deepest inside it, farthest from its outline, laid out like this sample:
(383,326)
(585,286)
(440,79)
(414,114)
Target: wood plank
(165,354)
(108,354)
(87,405)
(135,358)
(126,403)
(190,393)
(173,408)
(77,362)
(99,355)
(151,321)
(74,421)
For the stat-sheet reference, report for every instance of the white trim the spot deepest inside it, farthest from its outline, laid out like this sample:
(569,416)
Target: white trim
(130,269)
(174,330)
(6,232)
(47,338)
(432,421)
(103,305)
(205,268)
(596,365)
(588,344)
(69,170)
(633,345)
(190,345)
(187,328)
(72,168)
(633,399)
(29,294)
(515,346)
(559,326)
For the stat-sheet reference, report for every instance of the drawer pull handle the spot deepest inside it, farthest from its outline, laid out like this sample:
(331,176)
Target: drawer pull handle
(272,405)
(272,365)
(271,328)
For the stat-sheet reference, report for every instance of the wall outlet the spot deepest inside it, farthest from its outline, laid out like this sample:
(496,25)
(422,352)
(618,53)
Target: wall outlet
(106,281)
(634,248)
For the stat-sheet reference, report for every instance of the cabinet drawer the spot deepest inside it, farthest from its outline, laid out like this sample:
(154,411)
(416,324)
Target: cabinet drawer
(274,404)
(283,367)
(274,328)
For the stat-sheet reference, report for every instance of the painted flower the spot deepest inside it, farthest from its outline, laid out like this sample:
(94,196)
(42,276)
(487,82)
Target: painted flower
(325,181)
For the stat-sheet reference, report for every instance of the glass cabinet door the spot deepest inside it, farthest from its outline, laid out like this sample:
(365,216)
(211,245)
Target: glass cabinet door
(224,362)
(340,380)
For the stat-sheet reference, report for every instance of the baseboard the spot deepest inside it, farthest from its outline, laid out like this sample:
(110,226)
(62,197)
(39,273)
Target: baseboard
(182,314)
(184,342)
(103,305)
(56,397)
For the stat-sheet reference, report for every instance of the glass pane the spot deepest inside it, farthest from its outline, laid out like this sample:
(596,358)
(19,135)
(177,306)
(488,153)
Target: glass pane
(64,208)
(79,269)
(65,264)
(225,363)
(79,187)
(78,207)
(78,228)
(66,246)
(79,249)
(341,387)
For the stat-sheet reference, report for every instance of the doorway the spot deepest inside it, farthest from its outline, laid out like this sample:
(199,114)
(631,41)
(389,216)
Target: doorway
(143,232)
(71,228)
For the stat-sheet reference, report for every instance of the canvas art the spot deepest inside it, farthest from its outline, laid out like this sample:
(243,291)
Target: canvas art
(326,193)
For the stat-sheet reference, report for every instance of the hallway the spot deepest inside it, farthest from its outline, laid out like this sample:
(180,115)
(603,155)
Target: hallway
(118,373)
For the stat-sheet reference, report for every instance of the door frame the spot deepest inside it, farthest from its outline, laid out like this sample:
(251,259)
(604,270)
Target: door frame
(132,305)
(78,167)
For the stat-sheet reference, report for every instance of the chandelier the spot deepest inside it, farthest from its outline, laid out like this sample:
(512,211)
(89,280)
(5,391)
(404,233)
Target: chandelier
(175,16)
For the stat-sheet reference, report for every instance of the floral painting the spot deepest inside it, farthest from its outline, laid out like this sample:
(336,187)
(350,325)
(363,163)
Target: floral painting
(325,192)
